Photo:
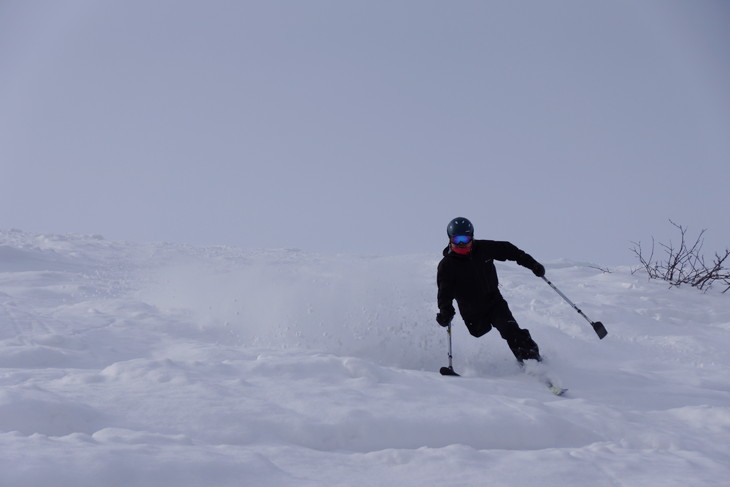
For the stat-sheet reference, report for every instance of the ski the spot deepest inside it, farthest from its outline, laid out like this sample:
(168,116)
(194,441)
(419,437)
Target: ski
(542,377)
(558,391)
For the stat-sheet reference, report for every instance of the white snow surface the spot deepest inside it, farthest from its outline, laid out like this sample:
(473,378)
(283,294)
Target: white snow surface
(158,364)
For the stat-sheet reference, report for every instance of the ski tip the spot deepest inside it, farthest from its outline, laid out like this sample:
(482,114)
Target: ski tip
(558,391)
(448,371)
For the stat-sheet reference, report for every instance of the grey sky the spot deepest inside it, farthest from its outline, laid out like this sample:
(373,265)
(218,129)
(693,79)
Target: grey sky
(568,127)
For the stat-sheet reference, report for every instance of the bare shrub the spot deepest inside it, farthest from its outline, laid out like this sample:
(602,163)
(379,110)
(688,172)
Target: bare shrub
(684,264)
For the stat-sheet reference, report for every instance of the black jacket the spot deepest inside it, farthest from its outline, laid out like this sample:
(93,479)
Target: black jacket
(472,279)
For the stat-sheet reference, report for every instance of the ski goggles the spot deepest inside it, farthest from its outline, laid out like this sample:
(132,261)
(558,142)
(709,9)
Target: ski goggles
(461,239)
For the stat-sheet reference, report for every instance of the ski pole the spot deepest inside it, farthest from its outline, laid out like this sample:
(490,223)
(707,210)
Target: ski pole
(450,369)
(597,325)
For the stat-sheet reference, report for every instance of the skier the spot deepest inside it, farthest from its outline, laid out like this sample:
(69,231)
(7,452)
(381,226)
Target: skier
(467,273)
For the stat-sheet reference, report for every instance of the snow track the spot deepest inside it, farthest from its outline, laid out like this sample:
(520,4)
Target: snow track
(159,364)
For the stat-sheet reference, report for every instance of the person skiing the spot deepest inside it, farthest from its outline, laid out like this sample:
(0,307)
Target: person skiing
(467,274)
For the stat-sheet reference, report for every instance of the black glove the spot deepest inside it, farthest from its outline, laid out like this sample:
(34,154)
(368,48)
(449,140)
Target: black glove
(444,319)
(538,269)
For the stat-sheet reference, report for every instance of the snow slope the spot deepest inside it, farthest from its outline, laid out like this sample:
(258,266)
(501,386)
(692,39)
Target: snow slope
(127,364)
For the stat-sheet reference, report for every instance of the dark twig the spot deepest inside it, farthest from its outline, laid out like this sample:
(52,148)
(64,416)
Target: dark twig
(684,264)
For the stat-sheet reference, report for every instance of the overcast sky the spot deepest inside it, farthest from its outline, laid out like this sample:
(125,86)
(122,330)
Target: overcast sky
(570,128)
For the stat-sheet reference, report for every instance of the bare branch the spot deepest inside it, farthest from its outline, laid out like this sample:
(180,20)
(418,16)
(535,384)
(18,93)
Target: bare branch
(684,264)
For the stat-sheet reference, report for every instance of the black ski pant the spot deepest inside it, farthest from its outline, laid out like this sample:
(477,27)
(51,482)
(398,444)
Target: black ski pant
(500,317)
